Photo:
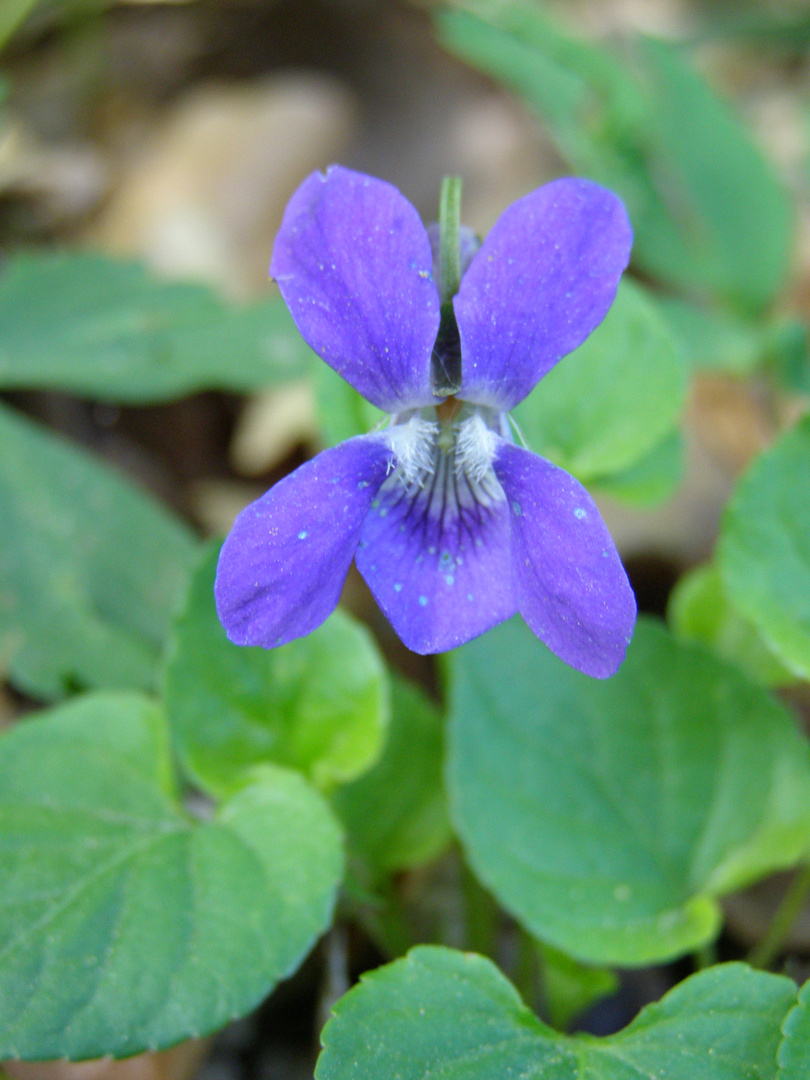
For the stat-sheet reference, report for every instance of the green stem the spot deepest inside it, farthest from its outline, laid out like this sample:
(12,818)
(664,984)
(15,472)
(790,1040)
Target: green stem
(764,954)
(449,246)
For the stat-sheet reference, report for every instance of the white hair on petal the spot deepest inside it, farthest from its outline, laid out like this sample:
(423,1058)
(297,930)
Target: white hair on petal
(475,448)
(413,447)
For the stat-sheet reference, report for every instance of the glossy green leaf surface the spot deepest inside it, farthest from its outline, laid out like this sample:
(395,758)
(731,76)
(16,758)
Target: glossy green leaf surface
(109,329)
(319,704)
(607,404)
(607,816)
(91,569)
(125,924)
(395,815)
(764,549)
(443,1013)
(640,124)
(699,610)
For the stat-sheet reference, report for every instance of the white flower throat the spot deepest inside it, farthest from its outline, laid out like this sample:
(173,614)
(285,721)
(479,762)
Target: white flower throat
(443,455)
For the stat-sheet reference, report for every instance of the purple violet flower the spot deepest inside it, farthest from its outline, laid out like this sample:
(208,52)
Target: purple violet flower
(453,526)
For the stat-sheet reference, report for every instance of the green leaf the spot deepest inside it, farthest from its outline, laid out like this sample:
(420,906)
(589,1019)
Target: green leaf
(569,988)
(699,610)
(764,549)
(714,340)
(650,480)
(109,329)
(734,217)
(91,569)
(607,816)
(342,411)
(717,221)
(395,815)
(319,704)
(442,1013)
(125,925)
(611,402)
(794,1051)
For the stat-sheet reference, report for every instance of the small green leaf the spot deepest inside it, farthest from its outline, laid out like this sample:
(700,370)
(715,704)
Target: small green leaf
(764,549)
(611,402)
(650,480)
(319,704)
(699,610)
(125,925)
(395,815)
(442,1013)
(794,1050)
(109,329)
(714,340)
(343,412)
(607,816)
(569,987)
(91,569)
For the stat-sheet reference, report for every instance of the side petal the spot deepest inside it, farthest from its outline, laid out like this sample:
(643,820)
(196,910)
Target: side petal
(571,586)
(283,564)
(437,559)
(544,278)
(354,265)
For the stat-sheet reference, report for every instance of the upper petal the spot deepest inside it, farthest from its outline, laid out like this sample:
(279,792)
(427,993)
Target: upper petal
(571,586)
(437,558)
(283,564)
(354,265)
(544,278)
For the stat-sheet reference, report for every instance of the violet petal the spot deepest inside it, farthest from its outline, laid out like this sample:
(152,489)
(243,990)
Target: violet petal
(543,279)
(437,559)
(354,265)
(283,564)
(570,583)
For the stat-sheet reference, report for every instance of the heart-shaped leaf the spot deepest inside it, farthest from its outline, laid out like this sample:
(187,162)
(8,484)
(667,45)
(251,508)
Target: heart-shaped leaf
(125,925)
(608,815)
(443,1013)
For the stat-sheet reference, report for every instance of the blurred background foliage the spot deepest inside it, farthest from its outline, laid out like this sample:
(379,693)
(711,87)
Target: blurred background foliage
(153,384)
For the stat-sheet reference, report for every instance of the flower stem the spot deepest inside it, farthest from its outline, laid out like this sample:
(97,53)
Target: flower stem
(449,245)
(764,954)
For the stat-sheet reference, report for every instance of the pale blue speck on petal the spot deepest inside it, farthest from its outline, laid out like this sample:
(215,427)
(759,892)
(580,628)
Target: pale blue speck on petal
(397,586)
(362,484)
(580,513)
(449,579)
(470,597)
(517,509)
(303,534)
(422,601)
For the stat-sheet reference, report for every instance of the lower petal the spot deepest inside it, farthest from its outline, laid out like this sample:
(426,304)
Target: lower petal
(283,564)
(571,586)
(437,558)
